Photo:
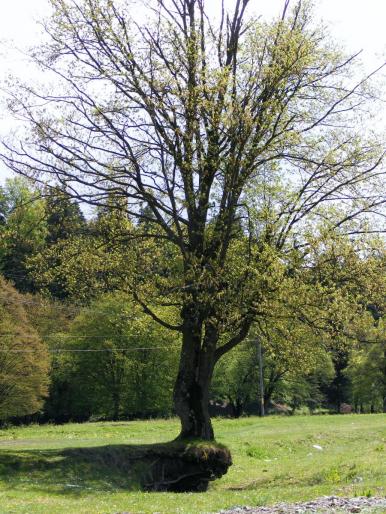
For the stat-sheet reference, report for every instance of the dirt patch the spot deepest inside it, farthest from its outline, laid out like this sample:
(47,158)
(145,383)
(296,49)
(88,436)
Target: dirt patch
(178,466)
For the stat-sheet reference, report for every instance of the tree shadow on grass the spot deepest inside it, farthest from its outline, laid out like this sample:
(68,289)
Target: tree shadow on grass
(73,470)
(174,466)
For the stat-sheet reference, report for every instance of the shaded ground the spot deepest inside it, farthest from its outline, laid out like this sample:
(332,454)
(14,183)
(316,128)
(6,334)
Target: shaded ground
(174,466)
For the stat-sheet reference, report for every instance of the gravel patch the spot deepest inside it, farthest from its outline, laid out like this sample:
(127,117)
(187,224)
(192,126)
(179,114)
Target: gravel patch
(324,505)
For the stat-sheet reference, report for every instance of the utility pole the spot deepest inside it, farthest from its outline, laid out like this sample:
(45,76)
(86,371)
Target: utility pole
(384,376)
(261,377)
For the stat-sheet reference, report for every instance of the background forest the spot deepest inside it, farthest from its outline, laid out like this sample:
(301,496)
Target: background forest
(75,345)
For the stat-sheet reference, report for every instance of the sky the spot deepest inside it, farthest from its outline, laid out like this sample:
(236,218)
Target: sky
(355,24)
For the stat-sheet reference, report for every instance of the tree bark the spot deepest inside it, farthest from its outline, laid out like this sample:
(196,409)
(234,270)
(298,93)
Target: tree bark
(191,391)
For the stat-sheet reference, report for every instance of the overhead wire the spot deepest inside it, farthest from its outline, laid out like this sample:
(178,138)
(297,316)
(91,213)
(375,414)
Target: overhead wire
(110,350)
(86,350)
(82,336)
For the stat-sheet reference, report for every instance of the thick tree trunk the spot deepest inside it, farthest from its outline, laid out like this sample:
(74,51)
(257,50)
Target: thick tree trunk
(191,391)
(191,398)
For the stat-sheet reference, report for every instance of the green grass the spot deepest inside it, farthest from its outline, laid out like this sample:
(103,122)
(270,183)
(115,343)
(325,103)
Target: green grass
(42,469)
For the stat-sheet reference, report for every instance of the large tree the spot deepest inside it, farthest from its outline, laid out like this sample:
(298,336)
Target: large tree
(228,136)
(24,359)
(23,229)
(116,375)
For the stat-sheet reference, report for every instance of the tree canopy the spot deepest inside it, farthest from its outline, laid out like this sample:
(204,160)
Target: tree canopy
(123,365)
(230,139)
(23,229)
(24,360)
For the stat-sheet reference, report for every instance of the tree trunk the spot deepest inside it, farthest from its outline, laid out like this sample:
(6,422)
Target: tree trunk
(116,405)
(191,391)
(270,386)
(237,407)
(191,399)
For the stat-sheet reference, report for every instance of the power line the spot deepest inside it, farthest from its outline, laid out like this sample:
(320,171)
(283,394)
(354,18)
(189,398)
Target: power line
(78,350)
(73,308)
(78,308)
(94,350)
(83,336)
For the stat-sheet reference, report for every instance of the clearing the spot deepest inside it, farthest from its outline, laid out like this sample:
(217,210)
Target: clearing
(275,459)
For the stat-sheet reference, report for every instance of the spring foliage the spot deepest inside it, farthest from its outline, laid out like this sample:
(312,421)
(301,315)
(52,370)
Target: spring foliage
(24,361)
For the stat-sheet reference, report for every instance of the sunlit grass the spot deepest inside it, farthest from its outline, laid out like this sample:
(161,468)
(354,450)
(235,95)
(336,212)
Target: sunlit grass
(275,459)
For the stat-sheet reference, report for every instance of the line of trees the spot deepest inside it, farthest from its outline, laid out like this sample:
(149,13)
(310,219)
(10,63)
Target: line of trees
(117,362)
(231,149)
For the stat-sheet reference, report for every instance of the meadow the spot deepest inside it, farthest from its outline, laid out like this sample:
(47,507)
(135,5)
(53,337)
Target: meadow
(79,468)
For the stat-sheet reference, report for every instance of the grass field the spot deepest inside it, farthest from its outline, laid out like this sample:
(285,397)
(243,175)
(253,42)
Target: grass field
(41,470)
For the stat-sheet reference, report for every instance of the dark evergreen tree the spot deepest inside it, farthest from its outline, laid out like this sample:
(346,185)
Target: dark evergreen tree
(338,391)
(64,216)
(22,231)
